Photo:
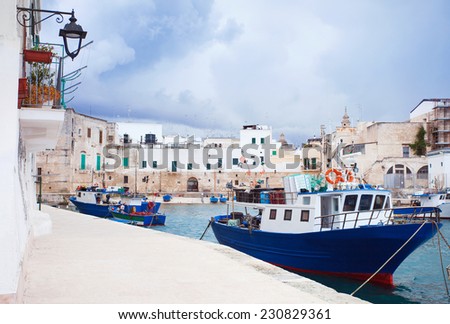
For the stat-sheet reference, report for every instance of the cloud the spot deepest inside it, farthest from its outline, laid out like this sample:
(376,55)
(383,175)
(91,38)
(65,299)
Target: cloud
(213,66)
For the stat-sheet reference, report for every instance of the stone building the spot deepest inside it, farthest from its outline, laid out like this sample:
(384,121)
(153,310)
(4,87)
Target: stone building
(435,116)
(92,151)
(380,151)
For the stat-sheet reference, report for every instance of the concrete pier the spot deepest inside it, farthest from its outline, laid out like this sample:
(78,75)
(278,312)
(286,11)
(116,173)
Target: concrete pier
(77,258)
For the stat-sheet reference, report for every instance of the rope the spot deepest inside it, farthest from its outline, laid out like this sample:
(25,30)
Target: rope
(384,264)
(440,257)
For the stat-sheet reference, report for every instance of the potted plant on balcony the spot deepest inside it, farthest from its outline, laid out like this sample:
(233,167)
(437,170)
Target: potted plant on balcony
(38,54)
(41,87)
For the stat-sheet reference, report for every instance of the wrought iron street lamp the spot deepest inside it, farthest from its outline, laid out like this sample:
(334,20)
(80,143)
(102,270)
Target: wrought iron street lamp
(25,17)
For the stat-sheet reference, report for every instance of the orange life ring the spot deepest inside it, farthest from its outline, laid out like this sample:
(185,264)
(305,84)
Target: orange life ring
(337,176)
(349,175)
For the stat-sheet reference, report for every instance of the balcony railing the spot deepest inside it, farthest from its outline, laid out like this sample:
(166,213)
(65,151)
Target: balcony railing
(40,87)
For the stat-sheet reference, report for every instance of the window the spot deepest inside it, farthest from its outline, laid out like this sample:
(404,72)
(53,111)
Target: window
(83,161)
(219,163)
(365,202)
(98,164)
(288,214)
(125,162)
(306,200)
(174,166)
(379,202)
(100,137)
(88,132)
(125,179)
(262,140)
(306,163)
(208,166)
(423,173)
(274,153)
(313,163)
(304,216)
(189,166)
(350,203)
(273,214)
(144,164)
(405,151)
(235,161)
(155,164)
(253,140)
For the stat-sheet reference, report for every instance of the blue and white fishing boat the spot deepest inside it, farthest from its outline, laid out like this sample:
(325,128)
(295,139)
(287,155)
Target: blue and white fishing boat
(223,199)
(96,201)
(351,231)
(138,211)
(440,200)
(213,199)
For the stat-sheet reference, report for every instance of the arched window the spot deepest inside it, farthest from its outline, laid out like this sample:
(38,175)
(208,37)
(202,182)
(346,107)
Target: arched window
(423,173)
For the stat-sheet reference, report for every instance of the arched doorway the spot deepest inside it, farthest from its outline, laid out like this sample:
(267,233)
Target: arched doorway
(398,176)
(192,185)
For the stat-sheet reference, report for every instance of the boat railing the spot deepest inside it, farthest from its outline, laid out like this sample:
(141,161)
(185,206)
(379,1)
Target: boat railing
(388,216)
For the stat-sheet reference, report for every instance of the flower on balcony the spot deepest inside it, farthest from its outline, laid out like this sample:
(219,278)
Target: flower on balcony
(38,95)
(41,82)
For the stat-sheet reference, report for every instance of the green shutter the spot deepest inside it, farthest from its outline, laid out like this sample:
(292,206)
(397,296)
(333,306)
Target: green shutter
(83,161)
(99,162)
(125,162)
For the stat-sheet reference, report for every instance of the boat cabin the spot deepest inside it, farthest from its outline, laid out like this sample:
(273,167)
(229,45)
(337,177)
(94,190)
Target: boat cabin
(319,211)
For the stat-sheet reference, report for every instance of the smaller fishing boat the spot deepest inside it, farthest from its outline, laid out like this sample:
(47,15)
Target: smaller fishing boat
(167,198)
(223,199)
(440,200)
(213,199)
(138,211)
(96,201)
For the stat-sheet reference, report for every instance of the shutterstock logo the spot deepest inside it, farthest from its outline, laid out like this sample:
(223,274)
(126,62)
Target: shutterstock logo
(189,156)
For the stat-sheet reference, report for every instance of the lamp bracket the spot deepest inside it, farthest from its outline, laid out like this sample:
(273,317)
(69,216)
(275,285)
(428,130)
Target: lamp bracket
(25,16)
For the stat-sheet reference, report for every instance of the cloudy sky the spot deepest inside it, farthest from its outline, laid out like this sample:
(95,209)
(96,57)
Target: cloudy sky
(207,67)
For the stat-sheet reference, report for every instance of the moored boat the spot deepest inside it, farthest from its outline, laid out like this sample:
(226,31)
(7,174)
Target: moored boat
(350,233)
(96,201)
(440,200)
(139,212)
(213,199)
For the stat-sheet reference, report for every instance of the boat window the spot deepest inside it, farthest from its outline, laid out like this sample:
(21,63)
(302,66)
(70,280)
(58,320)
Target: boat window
(365,202)
(79,194)
(273,214)
(305,216)
(388,203)
(350,203)
(288,214)
(306,200)
(379,202)
(447,196)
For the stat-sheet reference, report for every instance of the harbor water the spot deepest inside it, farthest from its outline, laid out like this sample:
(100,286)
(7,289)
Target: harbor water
(420,278)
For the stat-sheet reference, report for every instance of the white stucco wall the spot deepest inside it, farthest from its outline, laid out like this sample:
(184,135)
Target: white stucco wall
(14,221)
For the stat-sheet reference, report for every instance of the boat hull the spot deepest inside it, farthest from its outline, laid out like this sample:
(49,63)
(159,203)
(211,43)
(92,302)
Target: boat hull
(91,209)
(355,253)
(140,220)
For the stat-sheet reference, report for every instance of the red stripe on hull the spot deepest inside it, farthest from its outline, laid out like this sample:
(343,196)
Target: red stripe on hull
(380,278)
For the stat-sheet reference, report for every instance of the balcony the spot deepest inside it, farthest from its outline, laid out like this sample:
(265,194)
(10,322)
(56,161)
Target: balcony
(40,87)
(40,128)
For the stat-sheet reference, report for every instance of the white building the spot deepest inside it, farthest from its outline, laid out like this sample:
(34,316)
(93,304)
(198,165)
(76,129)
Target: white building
(25,131)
